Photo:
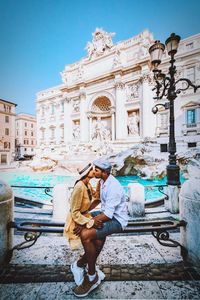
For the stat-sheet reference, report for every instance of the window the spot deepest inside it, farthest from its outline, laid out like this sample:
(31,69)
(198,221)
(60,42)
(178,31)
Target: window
(31,125)
(191,117)
(32,149)
(25,149)
(43,111)
(163,148)
(32,142)
(31,133)
(191,74)
(17,132)
(3,158)
(52,109)
(6,131)
(25,132)
(62,106)
(7,119)
(52,133)
(25,124)
(192,145)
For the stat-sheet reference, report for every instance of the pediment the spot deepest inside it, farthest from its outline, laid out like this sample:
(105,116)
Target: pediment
(190,104)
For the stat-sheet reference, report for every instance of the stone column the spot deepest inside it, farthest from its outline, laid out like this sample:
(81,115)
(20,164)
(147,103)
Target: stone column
(84,126)
(190,212)
(90,128)
(67,121)
(113,125)
(148,121)
(120,113)
(6,216)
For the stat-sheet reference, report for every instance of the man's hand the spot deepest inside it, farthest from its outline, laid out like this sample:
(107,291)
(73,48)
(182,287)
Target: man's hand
(78,228)
(97,224)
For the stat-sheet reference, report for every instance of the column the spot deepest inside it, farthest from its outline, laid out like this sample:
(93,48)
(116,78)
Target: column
(67,121)
(84,122)
(148,119)
(90,128)
(120,113)
(113,125)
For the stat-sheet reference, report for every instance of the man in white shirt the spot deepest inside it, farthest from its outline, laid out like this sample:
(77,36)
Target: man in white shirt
(114,218)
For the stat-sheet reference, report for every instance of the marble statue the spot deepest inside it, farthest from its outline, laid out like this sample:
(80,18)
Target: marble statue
(133,124)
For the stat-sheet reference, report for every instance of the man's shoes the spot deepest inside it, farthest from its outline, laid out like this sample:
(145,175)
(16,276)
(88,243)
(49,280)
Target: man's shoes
(100,273)
(87,286)
(78,273)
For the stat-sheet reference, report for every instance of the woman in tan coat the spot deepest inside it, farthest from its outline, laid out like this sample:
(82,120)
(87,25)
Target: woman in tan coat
(82,200)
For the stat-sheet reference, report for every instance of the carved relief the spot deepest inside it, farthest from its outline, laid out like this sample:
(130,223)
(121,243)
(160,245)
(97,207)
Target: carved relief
(101,42)
(76,106)
(132,91)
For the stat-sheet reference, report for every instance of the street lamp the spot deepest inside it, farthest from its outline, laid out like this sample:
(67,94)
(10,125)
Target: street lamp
(166,87)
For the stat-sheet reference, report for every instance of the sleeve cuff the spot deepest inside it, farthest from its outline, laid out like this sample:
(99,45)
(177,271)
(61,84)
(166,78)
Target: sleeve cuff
(90,224)
(109,213)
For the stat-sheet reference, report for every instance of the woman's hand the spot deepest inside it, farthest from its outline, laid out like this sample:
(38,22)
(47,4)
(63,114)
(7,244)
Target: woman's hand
(97,224)
(78,228)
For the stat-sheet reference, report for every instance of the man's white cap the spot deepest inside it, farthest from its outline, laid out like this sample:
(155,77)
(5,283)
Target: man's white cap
(102,164)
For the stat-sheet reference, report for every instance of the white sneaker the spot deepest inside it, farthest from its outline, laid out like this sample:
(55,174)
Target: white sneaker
(99,272)
(78,273)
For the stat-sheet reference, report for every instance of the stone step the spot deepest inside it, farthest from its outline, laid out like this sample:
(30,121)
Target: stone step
(59,273)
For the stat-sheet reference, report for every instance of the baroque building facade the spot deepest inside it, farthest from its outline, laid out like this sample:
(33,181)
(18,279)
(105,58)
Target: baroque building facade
(105,99)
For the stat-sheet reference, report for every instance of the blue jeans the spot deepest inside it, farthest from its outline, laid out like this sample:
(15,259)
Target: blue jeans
(109,227)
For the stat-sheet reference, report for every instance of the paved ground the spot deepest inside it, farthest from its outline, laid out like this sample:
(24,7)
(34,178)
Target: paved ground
(136,267)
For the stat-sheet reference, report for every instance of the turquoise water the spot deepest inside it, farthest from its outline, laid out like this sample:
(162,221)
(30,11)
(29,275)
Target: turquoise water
(49,180)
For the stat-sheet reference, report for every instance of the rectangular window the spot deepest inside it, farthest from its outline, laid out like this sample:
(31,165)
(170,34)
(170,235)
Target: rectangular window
(31,133)
(25,132)
(6,131)
(25,124)
(62,106)
(192,145)
(3,158)
(31,125)
(191,74)
(52,109)
(25,149)
(163,148)
(32,143)
(191,117)
(7,119)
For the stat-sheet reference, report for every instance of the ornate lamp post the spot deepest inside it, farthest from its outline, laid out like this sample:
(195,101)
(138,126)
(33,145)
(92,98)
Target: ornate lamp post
(166,87)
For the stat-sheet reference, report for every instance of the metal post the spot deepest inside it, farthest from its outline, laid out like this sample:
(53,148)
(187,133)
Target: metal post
(173,171)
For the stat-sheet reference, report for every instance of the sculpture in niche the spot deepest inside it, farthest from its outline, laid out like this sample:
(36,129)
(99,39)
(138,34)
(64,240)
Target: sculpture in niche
(100,131)
(133,124)
(76,131)
(102,40)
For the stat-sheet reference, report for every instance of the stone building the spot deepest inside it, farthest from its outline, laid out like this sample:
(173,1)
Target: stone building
(25,135)
(105,99)
(7,131)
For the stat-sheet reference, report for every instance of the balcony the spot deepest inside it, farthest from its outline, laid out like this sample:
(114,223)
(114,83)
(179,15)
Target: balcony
(191,128)
(162,131)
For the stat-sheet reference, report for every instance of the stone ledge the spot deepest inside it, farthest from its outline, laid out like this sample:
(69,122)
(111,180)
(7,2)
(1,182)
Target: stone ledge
(144,272)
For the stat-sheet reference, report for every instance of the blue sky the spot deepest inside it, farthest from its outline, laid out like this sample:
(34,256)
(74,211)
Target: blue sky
(39,37)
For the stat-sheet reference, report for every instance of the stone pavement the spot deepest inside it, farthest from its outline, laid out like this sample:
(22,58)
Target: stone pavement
(136,267)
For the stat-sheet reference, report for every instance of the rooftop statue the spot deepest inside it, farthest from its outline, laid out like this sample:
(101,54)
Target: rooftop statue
(102,40)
